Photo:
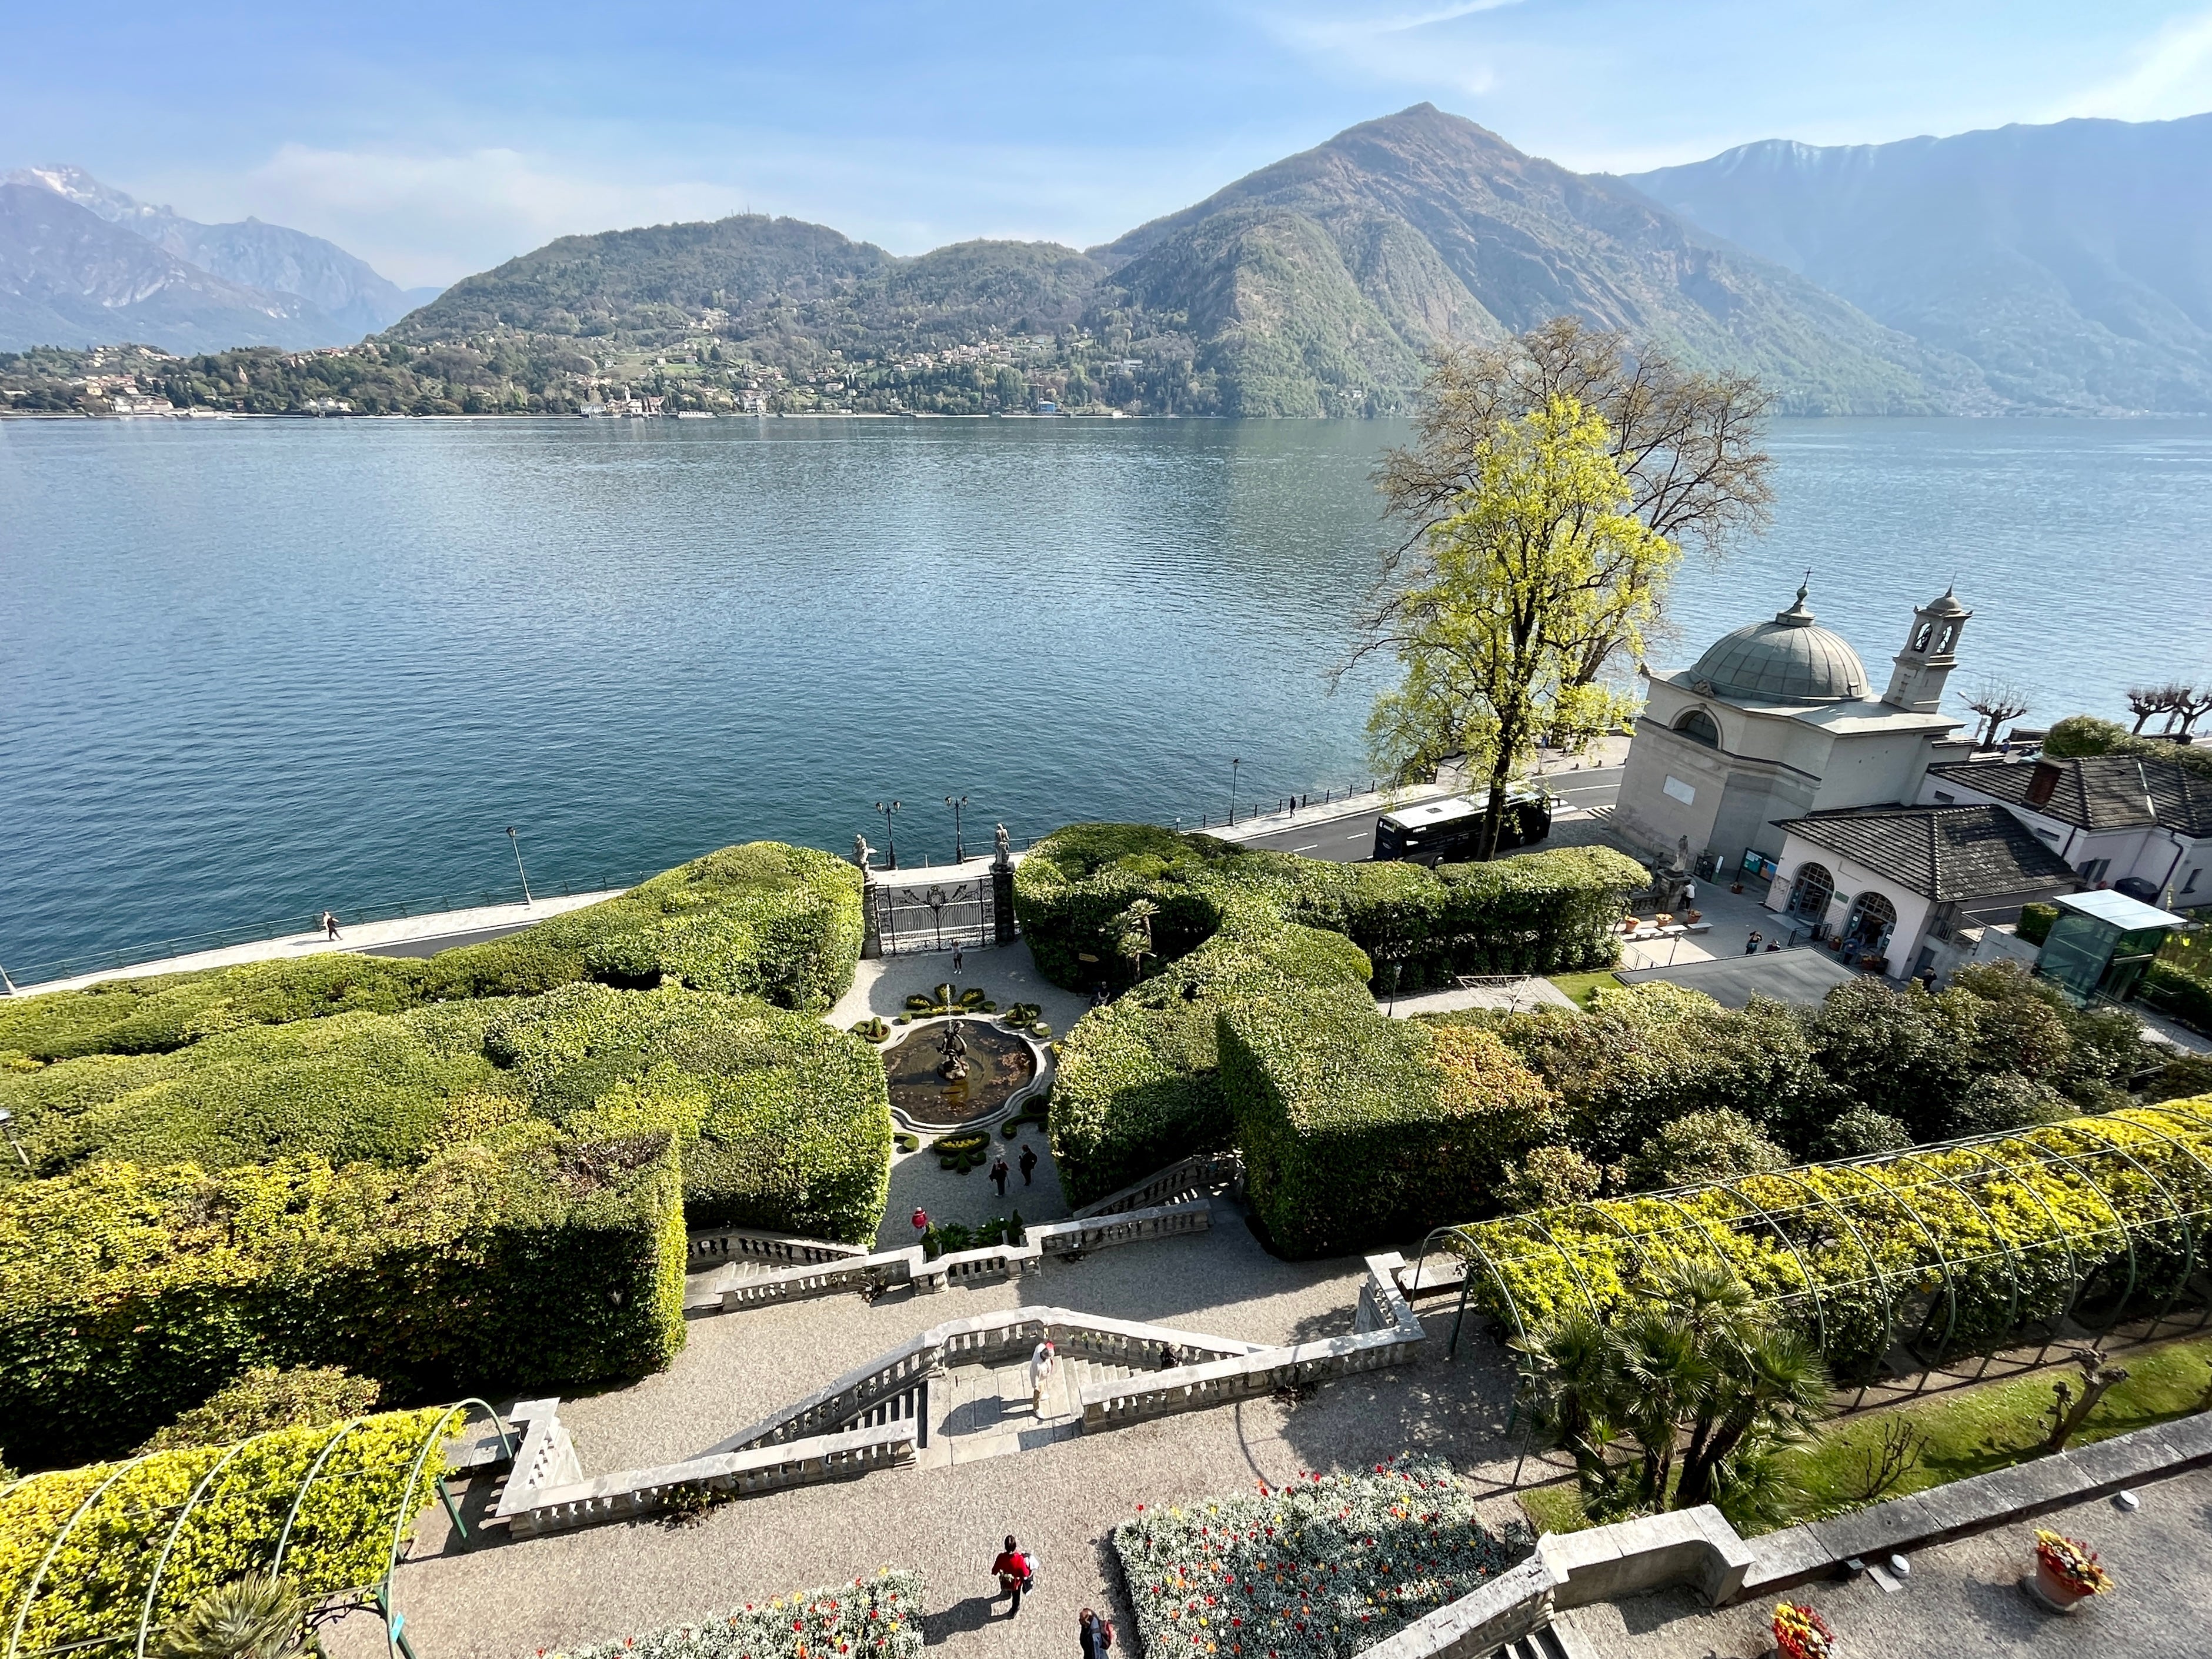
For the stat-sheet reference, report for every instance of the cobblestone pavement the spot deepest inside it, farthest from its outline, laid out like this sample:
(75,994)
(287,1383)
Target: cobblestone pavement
(1964,1599)
(507,1601)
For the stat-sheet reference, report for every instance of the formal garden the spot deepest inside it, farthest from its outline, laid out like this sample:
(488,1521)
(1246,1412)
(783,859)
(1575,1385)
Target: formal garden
(255,1205)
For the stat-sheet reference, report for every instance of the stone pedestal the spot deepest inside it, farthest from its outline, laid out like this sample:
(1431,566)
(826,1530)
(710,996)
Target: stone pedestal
(1002,904)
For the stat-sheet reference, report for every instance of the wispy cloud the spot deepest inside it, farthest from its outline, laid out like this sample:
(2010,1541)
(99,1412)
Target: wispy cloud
(1397,45)
(2172,77)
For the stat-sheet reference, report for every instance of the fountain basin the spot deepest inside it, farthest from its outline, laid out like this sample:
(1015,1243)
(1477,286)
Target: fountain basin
(1002,1064)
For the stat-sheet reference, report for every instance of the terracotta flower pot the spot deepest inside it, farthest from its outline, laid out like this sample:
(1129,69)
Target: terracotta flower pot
(2054,1591)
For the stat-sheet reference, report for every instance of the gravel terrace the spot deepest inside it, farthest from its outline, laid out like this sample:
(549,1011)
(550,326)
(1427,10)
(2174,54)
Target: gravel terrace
(507,1601)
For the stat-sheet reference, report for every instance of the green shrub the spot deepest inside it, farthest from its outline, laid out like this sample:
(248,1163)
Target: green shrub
(783,1122)
(266,1399)
(1862,1130)
(1956,1250)
(94,1590)
(1704,1147)
(131,1293)
(2034,925)
(2085,734)
(1136,1086)
(1358,1130)
(353,1087)
(880,1616)
(946,1237)
(778,922)
(2178,993)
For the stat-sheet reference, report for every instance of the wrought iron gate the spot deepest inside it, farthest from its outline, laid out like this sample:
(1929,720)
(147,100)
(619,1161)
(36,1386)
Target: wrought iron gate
(941,916)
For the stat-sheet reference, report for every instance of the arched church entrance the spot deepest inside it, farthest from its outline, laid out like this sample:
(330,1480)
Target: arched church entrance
(1868,927)
(1810,892)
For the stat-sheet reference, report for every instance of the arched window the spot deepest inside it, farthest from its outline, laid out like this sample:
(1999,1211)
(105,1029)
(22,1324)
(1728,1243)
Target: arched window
(1810,892)
(1872,917)
(1698,727)
(1950,639)
(1920,639)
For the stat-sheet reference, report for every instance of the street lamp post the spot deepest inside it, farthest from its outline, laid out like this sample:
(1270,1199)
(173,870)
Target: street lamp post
(1233,764)
(890,831)
(519,869)
(956,803)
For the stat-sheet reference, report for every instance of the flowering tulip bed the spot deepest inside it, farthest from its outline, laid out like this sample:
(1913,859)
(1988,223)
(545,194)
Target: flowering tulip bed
(877,1618)
(1319,1569)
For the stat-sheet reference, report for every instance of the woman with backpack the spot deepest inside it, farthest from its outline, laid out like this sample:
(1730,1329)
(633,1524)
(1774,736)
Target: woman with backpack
(1097,1634)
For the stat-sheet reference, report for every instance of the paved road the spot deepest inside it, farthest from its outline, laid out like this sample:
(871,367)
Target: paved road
(431,944)
(1349,840)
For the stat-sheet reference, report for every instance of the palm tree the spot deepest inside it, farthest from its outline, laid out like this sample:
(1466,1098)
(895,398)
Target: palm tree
(1695,1373)
(256,1617)
(1136,941)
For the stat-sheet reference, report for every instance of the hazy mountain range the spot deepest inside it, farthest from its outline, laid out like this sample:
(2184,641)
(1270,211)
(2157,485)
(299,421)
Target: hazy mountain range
(2057,269)
(82,263)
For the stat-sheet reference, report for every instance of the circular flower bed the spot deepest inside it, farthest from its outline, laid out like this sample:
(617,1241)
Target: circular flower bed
(1321,1568)
(877,1618)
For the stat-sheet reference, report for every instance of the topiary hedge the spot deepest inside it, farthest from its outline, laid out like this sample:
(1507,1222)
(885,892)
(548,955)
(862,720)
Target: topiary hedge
(130,1293)
(353,1087)
(1537,913)
(1359,1130)
(1136,1087)
(95,1587)
(780,922)
(2174,991)
(783,1122)
(1951,1248)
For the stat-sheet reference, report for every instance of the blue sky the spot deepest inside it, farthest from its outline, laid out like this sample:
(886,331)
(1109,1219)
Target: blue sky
(438,140)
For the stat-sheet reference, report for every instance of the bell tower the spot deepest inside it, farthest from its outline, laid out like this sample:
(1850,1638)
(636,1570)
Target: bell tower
(1931,651)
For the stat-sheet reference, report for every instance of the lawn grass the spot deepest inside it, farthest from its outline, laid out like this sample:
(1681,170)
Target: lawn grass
(1969,1432)
(1577,988)
(1999,1424)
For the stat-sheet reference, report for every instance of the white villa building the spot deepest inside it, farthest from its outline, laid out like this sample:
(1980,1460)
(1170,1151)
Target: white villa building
(1775,722)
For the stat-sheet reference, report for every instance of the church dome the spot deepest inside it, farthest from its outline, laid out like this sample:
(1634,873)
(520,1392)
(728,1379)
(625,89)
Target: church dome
(1790,659)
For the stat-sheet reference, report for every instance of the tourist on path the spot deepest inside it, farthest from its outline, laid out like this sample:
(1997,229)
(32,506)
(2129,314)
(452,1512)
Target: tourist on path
(1014,1575)
(921,1221)
(1097,1634)
(1751,945)
(1169,1357)
(956,959)
(1029,1163)
(1043,1363)
(1000,1171)
(329,924)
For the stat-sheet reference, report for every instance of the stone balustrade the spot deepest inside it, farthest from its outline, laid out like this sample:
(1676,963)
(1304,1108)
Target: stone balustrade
(1191,1178)
(886,1268)
(546,1458)
(743,1474)
(1385,1333)
(711,1248)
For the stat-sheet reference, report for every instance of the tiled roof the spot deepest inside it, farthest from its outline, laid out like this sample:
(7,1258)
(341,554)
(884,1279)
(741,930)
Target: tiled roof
(1939,852)
(2097,792)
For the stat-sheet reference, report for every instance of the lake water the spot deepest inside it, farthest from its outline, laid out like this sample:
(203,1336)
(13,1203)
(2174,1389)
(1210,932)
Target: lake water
(252,668)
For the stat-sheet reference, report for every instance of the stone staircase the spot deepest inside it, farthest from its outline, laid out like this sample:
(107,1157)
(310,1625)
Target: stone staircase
(703,1288)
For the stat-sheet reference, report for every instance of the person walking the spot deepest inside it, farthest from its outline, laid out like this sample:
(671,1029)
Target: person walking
(1169,1357)
(1000,1171)
(921,1221)
(1043,1363)
(1014,1572)
(956,960)
(1751,945)
(329,926)
(1097,1634)
(1028,1162)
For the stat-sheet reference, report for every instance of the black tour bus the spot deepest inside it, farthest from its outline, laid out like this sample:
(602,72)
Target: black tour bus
(1448,831)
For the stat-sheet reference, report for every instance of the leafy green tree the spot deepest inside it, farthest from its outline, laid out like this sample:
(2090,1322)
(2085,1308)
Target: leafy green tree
(1495,612)
(1703,1146)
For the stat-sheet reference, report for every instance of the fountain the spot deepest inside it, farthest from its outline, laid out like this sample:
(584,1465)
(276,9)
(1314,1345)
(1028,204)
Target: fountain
(964,1071)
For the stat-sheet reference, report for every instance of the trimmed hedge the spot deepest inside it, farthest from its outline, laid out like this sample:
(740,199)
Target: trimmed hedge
(780,922)
(96,1586)
(2019,1230)
(783,1122)
(353,1087)
(130,1293)
(1137,1088)
(1537,913)
(1360,1130)
(2175,991)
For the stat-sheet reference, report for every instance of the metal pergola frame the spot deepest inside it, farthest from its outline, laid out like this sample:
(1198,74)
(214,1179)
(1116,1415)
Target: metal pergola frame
(161,1541)
(2148,1169)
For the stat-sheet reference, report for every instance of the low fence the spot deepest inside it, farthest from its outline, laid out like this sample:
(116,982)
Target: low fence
(1182,1182)
(884,1269)
(746,1244)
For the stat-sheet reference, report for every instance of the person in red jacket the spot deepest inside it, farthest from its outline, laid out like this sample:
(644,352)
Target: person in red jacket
(1013,1569)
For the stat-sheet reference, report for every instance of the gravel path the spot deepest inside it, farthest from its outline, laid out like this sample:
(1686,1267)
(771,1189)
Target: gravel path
(507,1601)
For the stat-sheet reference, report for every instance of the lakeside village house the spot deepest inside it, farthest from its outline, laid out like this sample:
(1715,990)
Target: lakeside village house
(1874,822)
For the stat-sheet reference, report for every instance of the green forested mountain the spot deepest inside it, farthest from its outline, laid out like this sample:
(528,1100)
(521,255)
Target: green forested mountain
(1315,286)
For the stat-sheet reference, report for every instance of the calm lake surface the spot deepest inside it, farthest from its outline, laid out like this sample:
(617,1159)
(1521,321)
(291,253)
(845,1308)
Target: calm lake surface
(252,668)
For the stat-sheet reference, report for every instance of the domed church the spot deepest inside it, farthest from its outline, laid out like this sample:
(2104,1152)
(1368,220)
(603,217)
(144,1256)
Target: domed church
(1775,722)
